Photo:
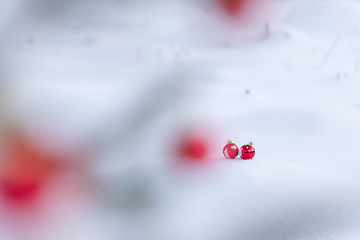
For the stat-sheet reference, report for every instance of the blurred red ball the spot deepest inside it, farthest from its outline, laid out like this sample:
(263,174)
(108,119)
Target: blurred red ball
(230,150)
(24,169)
(247,151)
(193,147)
(235,7)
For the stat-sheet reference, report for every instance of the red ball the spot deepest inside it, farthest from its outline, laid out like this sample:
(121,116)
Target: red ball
(235,7)
(193,148)
(231,150)
(247,151)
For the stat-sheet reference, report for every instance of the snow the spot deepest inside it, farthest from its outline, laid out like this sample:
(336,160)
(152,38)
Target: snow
(126,77)
(226,153)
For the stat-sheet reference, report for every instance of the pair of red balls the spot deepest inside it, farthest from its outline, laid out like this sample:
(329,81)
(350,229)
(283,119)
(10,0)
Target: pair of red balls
(231,150)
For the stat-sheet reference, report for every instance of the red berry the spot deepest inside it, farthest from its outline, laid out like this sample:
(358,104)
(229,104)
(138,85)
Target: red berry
(247,151)
(230,150)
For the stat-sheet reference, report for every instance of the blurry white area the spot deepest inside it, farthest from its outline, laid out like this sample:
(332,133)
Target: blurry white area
(124,77)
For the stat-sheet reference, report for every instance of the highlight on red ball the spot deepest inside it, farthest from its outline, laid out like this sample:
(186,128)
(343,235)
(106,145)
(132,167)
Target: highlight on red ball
(230,150)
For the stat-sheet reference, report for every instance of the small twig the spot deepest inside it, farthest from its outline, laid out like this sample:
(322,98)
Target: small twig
(331,49)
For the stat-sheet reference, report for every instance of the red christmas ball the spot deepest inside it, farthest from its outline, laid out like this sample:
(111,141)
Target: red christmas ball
(247,151)
(230,150)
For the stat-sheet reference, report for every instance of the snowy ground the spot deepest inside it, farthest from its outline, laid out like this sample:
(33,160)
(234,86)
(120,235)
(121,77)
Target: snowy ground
(126,76)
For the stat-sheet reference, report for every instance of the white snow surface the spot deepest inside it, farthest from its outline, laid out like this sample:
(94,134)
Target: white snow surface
(134,73)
